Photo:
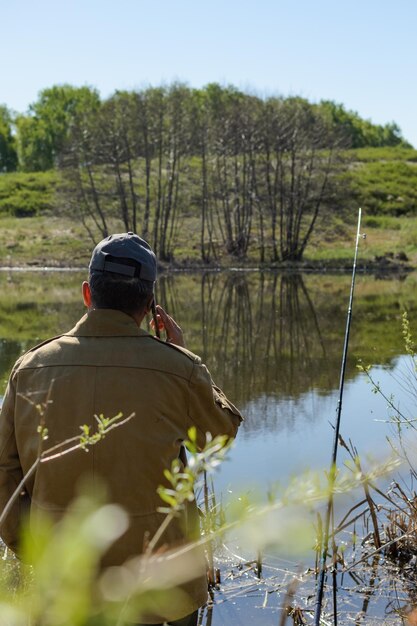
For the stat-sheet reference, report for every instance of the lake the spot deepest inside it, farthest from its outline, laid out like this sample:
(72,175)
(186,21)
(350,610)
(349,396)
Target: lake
(274,343)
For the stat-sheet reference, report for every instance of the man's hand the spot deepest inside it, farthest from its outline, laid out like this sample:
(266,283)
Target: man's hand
(167,323)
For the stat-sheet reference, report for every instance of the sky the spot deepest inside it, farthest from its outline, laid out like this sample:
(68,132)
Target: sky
(360,53)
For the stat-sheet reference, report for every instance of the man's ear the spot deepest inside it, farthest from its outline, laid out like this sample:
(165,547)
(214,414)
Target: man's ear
(86,294)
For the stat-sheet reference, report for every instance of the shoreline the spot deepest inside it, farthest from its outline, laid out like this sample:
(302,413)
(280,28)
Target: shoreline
(385,266)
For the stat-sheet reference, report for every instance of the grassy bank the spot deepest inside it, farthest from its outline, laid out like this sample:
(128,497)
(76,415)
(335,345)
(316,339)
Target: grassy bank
(34,231)
(43,241)
(387,240)
(61,242)
(46,241)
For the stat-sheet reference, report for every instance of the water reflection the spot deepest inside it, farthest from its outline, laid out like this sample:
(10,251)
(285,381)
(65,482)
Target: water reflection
(280,335)
(263,335)
(9,353)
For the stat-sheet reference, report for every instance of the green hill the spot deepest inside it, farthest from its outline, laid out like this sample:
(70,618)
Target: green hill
(37,229)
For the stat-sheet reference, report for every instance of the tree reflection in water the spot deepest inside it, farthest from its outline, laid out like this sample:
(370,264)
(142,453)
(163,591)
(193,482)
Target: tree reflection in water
(269,336)
(262,335)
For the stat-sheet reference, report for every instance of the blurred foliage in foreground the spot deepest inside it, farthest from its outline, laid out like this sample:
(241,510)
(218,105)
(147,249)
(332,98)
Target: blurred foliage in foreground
(64,583)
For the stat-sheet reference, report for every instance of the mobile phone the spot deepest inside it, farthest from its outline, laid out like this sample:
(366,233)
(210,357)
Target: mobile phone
(155,320)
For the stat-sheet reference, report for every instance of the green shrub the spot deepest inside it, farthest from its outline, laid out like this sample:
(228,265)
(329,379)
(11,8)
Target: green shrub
(384,154)
(384,221)
(386,187)
(26,195)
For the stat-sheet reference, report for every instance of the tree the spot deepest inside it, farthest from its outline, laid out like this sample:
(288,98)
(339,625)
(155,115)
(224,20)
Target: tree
(43,132)
(8,153)
(174,146)
(360,132)
(83,176)
(256,172)
(232,147)
(299,154)
(200,146)
(126,161)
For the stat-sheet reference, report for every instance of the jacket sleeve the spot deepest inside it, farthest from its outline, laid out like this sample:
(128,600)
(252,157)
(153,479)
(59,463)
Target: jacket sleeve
(10,469)
(209,410)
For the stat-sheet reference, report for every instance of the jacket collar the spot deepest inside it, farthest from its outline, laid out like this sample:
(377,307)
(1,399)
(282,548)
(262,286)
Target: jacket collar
(107,323)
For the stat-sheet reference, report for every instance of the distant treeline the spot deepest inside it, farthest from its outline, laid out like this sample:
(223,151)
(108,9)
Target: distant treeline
(253,173)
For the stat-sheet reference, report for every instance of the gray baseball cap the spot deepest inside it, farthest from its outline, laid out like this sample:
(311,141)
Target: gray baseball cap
(126,247)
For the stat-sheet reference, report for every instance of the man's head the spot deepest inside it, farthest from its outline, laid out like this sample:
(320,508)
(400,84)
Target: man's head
(122,275)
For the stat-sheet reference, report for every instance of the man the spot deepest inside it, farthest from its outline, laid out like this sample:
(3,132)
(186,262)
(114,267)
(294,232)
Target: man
(106,365)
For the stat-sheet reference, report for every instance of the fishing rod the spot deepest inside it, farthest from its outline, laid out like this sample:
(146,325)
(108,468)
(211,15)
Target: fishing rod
(332,473)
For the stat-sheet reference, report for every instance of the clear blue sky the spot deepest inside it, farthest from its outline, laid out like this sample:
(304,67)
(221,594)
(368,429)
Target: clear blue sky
(362,53)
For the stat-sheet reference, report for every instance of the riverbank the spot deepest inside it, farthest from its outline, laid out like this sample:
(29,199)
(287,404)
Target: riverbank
(37,227)
(59,242)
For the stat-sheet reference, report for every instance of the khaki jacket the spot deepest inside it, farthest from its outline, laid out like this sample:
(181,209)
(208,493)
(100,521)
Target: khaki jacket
(107,365)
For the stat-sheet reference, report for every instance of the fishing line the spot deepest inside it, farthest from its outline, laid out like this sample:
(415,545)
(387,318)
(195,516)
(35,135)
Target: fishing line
(332,472)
